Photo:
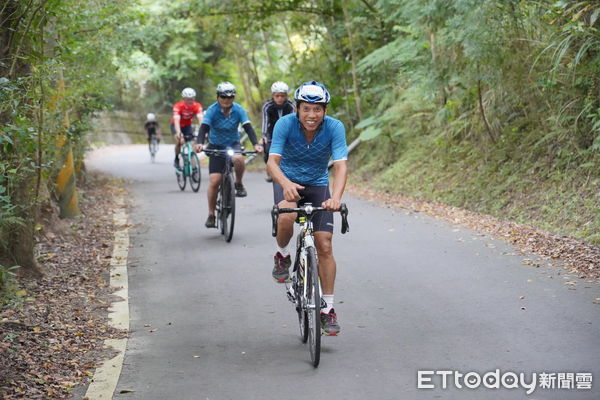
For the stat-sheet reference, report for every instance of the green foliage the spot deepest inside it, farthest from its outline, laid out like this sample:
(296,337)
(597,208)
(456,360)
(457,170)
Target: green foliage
(495,88)
(8,286)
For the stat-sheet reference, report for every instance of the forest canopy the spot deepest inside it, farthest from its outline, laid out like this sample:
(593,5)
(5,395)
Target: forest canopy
(488,105)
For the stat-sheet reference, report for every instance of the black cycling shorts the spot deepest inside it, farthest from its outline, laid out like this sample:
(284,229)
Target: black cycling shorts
(216,164)
(323,220)
(186,131)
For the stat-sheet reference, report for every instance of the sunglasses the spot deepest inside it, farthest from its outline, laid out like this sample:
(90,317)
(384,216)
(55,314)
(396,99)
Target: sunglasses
(227,97)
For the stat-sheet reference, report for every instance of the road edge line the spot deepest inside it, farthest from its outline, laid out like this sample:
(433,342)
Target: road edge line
(106,377)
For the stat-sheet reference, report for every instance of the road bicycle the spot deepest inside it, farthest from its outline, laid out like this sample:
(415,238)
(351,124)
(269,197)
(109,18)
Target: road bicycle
(189,167)
(226,194)
(153,147)
(304,290)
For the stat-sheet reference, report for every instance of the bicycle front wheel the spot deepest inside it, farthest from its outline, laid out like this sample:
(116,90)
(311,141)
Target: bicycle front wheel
(227,207)
(313,308)
(195,176)
(180,173)
(301,302)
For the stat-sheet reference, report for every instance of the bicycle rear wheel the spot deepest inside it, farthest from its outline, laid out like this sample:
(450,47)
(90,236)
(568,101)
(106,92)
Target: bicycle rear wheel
(195,176)
(179,172)
(227,207)
(153,148)
(313,308)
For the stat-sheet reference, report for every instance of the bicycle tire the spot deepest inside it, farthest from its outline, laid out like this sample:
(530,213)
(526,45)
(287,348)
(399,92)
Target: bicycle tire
(228,207)
(314,313)
(153,149)
(180,173)
(195,176)
(219,209)
(300,306)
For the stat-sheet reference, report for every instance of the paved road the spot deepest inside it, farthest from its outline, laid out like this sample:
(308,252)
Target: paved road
(413,293)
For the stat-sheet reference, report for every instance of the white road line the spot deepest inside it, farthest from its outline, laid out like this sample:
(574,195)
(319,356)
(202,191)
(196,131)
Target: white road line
(106,376)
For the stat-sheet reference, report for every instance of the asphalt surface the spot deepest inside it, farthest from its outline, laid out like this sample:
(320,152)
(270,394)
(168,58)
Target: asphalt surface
(412,294)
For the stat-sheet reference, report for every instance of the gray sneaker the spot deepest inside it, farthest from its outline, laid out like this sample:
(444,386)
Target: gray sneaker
(211,222)
(240,191)
(281,271)
(329,324)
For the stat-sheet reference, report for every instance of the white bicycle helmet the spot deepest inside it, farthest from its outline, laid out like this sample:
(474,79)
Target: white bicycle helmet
(279,87)
(151,117)
(188,93)
(312,92)
(226,89)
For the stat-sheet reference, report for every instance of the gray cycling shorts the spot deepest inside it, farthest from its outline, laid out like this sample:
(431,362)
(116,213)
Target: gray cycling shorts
(323,220)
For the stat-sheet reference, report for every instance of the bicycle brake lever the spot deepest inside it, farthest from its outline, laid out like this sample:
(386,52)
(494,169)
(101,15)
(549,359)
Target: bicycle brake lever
(274,217)
(344,214)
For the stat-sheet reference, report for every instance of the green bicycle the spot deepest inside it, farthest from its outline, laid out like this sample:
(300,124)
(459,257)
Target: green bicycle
(189,167)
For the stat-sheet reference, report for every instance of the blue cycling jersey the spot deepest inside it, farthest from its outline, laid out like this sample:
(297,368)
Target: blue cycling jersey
(224,130)
(306,163)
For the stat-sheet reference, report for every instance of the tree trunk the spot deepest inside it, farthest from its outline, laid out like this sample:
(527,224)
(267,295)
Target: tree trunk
(433,50)
(482,111)
(353,60)
(243,68)
(266,44)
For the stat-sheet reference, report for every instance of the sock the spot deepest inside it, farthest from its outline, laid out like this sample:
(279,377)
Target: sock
(284,251)
(329,300)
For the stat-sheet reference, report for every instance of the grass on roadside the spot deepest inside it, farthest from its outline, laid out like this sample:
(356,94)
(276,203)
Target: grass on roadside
(533,191)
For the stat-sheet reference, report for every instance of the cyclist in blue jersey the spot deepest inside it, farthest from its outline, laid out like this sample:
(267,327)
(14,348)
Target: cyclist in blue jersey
(221,122)
(301,147)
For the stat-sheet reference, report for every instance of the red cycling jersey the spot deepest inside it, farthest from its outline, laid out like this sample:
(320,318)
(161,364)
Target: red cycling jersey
(186,112)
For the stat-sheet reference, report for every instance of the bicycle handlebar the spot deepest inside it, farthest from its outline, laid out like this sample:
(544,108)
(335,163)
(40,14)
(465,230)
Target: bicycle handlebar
(217,152)
(306,210)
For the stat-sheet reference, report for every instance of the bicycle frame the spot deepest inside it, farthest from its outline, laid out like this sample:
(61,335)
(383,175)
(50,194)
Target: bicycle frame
(226,192)
(190,168)
(186,151)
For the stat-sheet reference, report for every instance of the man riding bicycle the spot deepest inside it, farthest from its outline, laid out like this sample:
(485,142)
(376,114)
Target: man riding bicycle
(300,151)
(221,122)
(183,115)
(273,109)
(152,129)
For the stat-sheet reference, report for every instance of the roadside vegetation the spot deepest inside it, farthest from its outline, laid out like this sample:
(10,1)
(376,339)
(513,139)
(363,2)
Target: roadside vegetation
(492,106)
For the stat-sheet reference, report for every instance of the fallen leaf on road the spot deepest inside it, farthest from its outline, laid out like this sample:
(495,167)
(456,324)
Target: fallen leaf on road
(127,391)
(570,283)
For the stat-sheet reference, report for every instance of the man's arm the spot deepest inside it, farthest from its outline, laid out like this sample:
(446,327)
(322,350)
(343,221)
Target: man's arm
(290,189)
(265,122)
(177,124)
(252,136)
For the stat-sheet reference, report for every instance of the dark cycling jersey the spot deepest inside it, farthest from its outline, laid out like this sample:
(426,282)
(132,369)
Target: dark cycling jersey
(271,112)
(151,128)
